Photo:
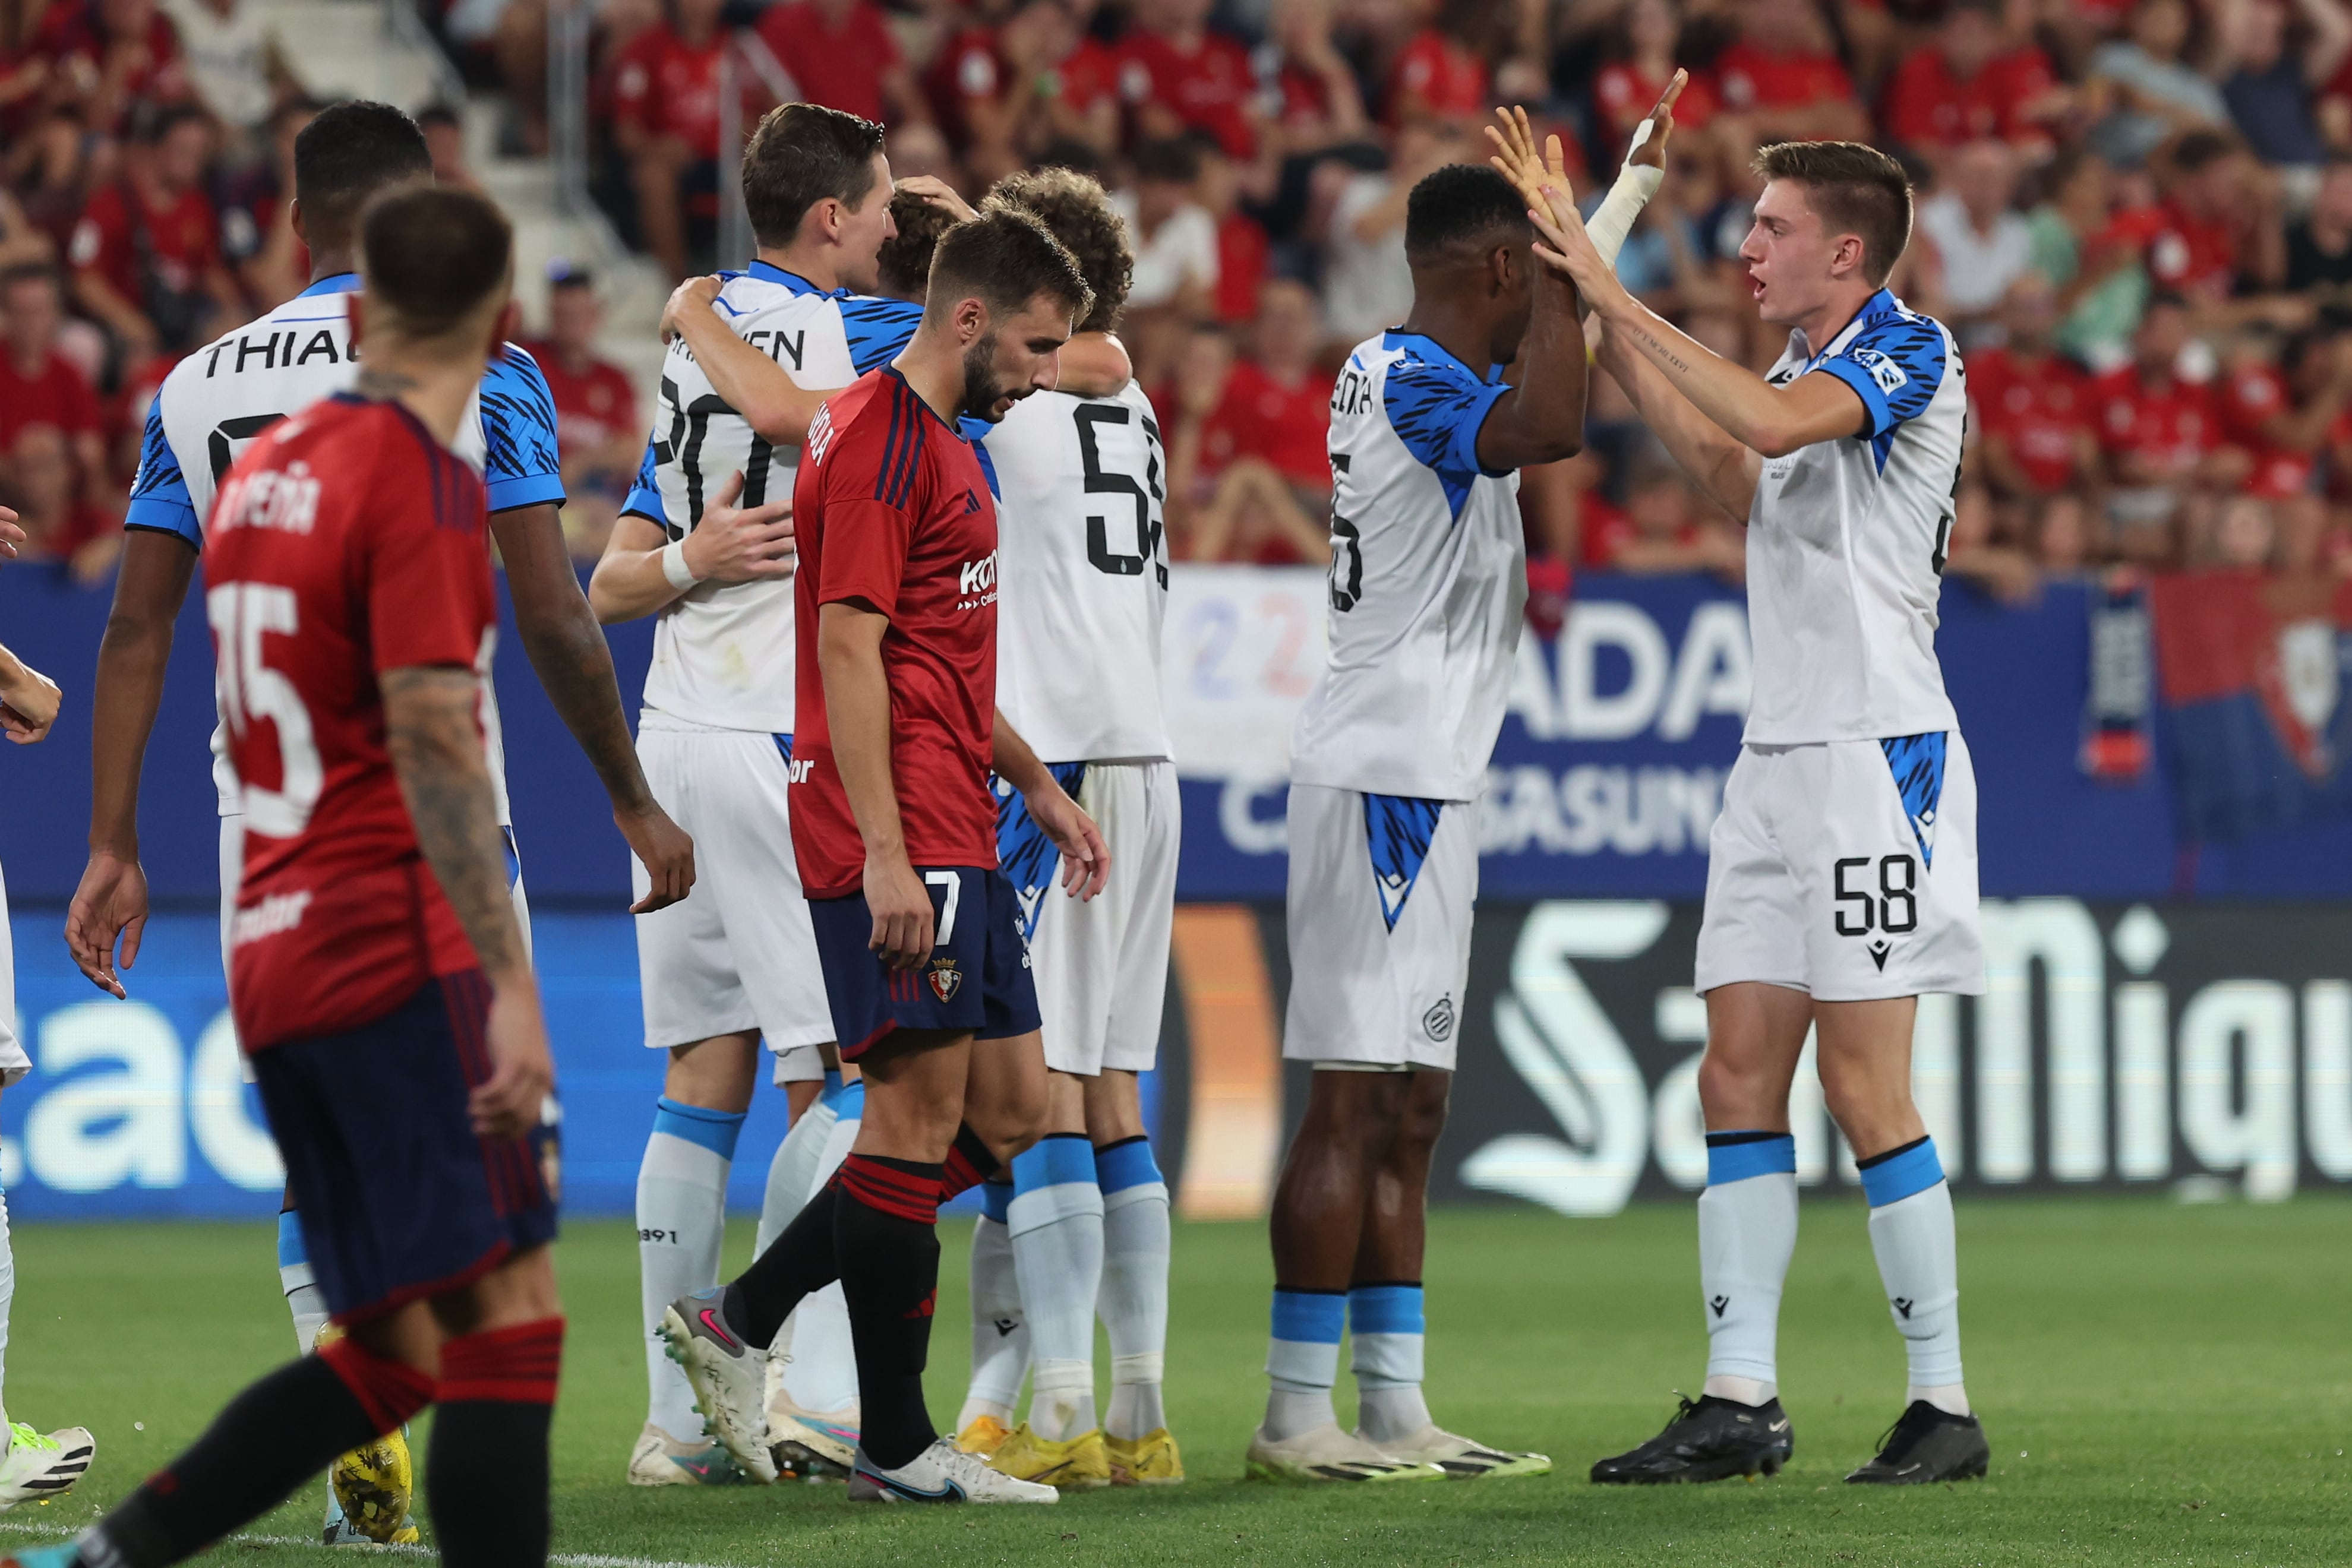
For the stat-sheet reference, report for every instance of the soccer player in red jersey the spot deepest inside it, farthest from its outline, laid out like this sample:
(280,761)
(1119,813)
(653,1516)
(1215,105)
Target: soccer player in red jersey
(379,982)
(894,827)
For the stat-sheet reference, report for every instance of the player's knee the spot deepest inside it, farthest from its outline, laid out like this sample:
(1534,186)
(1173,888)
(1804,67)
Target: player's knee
(1733,1090)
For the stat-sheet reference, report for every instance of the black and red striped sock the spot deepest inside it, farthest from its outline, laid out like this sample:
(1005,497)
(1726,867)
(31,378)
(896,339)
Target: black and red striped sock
(797,1264)
(487,1474)
(970,1162)
(886,1237)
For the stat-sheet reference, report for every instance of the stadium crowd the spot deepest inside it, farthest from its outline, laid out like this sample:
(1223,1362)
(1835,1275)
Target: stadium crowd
(2138,218)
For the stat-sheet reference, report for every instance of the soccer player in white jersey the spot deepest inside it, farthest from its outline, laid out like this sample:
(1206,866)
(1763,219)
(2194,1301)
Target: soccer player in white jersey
(212,405)
(1842,876)
(705,542)
(1083,1226)
(1428,586)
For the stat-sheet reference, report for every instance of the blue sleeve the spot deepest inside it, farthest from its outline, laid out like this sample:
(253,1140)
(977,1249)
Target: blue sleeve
(521,463)
(1436,410)
(159,496)
(976,432)
(644,493)
(877,328)
(1893,367)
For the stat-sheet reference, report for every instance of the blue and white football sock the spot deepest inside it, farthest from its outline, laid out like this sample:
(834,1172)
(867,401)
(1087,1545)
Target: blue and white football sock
(1385,1325)
(792,1175)
(1918,1260)
(821,1371)
(1747,1234)
(1134,1300)
(1056,1223)
(1303,1361)
(681,1222)
(303,1297)
(1000,1329)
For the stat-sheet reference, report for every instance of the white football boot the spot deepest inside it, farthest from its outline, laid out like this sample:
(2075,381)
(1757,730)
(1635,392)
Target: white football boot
(941,1473)
(730,1377)
(1328,1454)
(1459,1457)
(39,1466)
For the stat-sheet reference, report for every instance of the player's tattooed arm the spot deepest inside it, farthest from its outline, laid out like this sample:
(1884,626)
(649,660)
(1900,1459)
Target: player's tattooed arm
(110,907)
(777,407)
(858,717)
(1722,468)
(1085,859)
(574,665)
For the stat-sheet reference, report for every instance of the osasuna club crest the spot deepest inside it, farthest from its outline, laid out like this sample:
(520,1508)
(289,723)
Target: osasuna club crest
(945,979)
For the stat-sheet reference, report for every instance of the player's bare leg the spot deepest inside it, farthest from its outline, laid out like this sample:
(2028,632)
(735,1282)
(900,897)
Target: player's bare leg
(1133,1300)
(1865,1065)
(681,1225)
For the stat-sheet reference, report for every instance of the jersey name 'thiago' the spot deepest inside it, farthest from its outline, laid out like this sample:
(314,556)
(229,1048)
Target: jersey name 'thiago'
(723,651)
(1428,580)
(218,399)
(1846,541)
(1082,575)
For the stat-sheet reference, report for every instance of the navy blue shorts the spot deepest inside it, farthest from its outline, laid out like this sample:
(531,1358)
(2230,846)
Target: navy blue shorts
(397,1198)
(977,978)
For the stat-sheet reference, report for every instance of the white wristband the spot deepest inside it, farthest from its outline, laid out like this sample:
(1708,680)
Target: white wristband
(1613,220)
(673,558)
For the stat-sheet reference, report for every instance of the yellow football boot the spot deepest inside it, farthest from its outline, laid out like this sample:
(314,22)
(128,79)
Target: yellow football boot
(983,1437)
(375,1483)
(1150,1460)
(1075,1464)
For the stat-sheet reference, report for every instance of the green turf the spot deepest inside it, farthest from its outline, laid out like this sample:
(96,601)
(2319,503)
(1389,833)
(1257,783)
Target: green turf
(2162,1384)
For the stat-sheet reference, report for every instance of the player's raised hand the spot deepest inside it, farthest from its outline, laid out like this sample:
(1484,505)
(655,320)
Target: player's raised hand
(28,701)
(741,544)
(111,903)
(1566,247)
(1519,160)
(1085,859)
(1652,152)
(11,534)
(666,851)
(939,193)
(522,1071)
(901,907)
(694,294)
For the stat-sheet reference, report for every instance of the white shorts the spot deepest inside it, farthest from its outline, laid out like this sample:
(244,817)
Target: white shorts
(1381,895)
(1846,869)
(1102,967)
(736,952)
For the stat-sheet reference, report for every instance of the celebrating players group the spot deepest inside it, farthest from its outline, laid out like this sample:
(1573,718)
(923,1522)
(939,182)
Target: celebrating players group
(903,807)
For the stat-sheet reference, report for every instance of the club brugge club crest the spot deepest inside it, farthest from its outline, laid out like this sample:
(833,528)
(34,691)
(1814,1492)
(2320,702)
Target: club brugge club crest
(945,979)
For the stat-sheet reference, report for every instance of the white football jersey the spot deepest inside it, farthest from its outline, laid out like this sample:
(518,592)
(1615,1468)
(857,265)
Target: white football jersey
(723,651)
(1082,575)
(1846,541)
(1429,580)
(219,398)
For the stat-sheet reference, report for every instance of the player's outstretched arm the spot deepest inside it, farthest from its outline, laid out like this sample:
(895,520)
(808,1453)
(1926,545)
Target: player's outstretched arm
(777,407)
(574,665)
(111,903)
(1085,859)
(642,570)
(435,745)
(1722,468)
(858,717)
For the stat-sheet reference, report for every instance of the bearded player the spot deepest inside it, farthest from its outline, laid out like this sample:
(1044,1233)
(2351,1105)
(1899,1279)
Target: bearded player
(1841,875)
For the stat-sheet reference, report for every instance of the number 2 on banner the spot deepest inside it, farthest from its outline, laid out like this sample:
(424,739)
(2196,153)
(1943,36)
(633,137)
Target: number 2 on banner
(240,614)
(951,888)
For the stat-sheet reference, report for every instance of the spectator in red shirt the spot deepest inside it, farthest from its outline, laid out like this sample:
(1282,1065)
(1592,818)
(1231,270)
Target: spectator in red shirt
(598,432)
(60,524)
(2162,439)
(2032,406)
(1008,93)
(111,57)
(2220,220)
(1176,75)
(844,56)
(146,255)
(1276,407)
(1225,504)
(1244,252)
(666,123)
(1660,527)
(1443,74)
(1317,104)
(1782,80)
(1649,35)
(39,385)
(1971,82)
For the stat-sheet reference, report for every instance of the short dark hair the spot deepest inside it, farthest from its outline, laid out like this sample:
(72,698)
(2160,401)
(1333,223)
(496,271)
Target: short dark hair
(801,155)
(1461,205)
(1173,160)
(903,266)
(432,254)
(437,114)
(1855,189)
(2201,149)
(1076,209)
(1005,258)
(346,155)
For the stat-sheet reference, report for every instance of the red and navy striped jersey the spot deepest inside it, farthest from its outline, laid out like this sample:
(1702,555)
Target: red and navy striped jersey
(891,510)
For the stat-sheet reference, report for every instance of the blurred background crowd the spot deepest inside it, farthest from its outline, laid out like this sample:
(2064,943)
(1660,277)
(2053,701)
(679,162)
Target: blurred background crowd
(2137,217)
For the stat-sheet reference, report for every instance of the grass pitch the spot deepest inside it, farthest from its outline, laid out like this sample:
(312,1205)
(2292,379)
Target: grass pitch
(2161,1385)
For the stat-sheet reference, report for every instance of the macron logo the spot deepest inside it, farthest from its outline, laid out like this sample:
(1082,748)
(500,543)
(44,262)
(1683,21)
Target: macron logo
(278,912)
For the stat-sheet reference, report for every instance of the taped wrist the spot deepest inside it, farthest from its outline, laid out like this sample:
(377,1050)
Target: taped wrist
(1636,184)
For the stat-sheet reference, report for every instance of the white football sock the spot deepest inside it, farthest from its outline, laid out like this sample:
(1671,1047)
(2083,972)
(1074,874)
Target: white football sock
(303,1297)
(1918,1261)
(1000,1332)
(1386,1329)
(792,1175)
(822,1373)
(681,1222)
(8,1295)
(1056,1222)
(1302,1358)
(1746,1233)
(1133,1305)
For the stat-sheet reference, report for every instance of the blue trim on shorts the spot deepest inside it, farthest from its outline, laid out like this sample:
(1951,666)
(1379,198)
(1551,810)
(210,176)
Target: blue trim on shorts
(1385,1309)
(1023,853)
(1900,1173)
(1126,1164)
(698,1125)
(1917,763)
(1736,1156)
(1058,1159)
(1309,1317)
(1398,832)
